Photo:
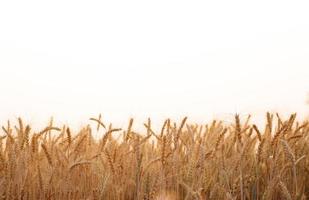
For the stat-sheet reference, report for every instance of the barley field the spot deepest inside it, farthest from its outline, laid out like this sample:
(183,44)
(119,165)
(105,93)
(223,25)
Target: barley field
(182,161)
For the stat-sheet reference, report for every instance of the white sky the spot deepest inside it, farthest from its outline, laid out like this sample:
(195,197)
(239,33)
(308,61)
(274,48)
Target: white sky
(76,59)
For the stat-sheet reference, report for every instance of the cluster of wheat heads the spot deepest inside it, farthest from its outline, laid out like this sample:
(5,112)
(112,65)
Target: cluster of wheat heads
(181,161)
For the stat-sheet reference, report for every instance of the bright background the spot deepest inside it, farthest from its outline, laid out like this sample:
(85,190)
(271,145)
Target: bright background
(75,59)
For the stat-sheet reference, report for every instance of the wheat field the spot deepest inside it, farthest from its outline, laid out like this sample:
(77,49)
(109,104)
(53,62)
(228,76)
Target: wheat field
(181,161)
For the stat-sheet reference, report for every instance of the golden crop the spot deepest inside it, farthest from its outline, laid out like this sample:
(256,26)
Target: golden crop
(182,161)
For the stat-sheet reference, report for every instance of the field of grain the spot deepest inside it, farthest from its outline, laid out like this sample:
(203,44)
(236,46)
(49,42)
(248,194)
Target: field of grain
(181,161)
